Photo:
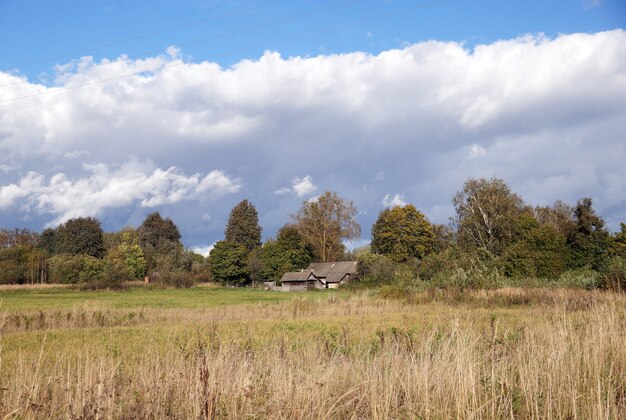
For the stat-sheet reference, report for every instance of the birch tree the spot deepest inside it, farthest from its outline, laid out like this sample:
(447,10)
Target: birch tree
(325,222)
(486,215)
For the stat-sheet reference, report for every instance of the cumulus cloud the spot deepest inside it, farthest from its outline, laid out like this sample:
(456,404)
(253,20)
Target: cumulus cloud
(112,187)
(545,114)
(299,186)
(203,250)
(396,201)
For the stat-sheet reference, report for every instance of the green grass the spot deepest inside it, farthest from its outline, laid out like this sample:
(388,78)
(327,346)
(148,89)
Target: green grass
(140,297)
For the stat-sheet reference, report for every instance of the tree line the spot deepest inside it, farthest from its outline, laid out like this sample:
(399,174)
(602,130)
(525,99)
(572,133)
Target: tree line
(493,238)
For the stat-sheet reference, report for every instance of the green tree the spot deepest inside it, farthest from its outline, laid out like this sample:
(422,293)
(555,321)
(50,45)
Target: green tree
(159,240)
(80,236)
(590,241)
(243,226)
(47,241)
(228,263)
(541,252)
(325,222)
(559,216)
(402,233)
(486,213)
(619,241)
(126,251)
(289,252)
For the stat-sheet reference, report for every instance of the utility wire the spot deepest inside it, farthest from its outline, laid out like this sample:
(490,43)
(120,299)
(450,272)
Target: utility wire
(289,38)
(227,34)
(143,36)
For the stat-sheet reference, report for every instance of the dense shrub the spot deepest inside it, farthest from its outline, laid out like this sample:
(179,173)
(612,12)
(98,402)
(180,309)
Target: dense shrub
(177,279)
(72,269)
(613,274)
(375,268)
(436,263)
(477,275)
(93,273)
(582,278)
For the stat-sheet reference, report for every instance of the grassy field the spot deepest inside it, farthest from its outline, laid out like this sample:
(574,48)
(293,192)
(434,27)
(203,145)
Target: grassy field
(237,353)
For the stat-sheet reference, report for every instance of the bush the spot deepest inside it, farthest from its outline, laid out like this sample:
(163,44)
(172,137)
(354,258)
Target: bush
(433,264)
(177,279)
(613,274)
(478,275)
(73,269)
(582,278)
(375,268)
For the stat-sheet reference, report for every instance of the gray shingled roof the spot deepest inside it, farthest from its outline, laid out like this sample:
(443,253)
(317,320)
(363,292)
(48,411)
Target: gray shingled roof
(296,275)
(333,272)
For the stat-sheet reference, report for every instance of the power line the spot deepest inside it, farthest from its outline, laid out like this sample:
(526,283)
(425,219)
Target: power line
(143,36)
(227,34)
(289,38)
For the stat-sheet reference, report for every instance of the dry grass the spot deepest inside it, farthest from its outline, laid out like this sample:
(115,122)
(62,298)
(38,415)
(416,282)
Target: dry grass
(507,353)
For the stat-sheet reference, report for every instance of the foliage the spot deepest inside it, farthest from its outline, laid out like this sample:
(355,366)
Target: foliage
(80,236)
(228,262)
(582,278)
(486,213)
(126,250)
(10,238)
(177,279)
(443,238)
(541,252)
(402,233)
(159,240)
(22,264)
(243,226)
(478,275)
(325,222)
(441,262)
(73,269)
(288,252)
(374,268)
(613,273)
(559,216)
(618,245)
(590,241)
(47,241)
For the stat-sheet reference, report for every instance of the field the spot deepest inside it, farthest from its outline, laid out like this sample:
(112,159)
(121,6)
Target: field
(243,353)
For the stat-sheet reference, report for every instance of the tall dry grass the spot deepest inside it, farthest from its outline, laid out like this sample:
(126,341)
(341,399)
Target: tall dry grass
(376,360)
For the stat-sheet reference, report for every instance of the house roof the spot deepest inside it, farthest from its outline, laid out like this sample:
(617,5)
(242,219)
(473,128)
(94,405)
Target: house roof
(296,275)
(328,272)
(333,272)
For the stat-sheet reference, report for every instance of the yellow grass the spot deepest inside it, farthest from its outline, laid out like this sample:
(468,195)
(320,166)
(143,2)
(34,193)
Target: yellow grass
(498,354)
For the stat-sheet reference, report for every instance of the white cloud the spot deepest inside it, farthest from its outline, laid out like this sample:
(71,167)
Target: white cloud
(203,250)
(396,201)
(546,114)
(133,183)
(299,186)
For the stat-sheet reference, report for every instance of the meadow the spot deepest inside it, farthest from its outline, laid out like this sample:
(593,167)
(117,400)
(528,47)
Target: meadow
(244,353)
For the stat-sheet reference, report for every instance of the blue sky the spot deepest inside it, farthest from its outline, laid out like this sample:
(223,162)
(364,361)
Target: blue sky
(385,102)
(32,31)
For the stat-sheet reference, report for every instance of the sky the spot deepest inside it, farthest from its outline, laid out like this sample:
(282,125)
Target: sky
(116,109)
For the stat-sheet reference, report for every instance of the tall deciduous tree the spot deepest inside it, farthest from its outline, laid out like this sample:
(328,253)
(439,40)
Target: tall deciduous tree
(82,235)
(243,226)
(402,233)
(159,240)
(288,252)
(325,222)
(486,213)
